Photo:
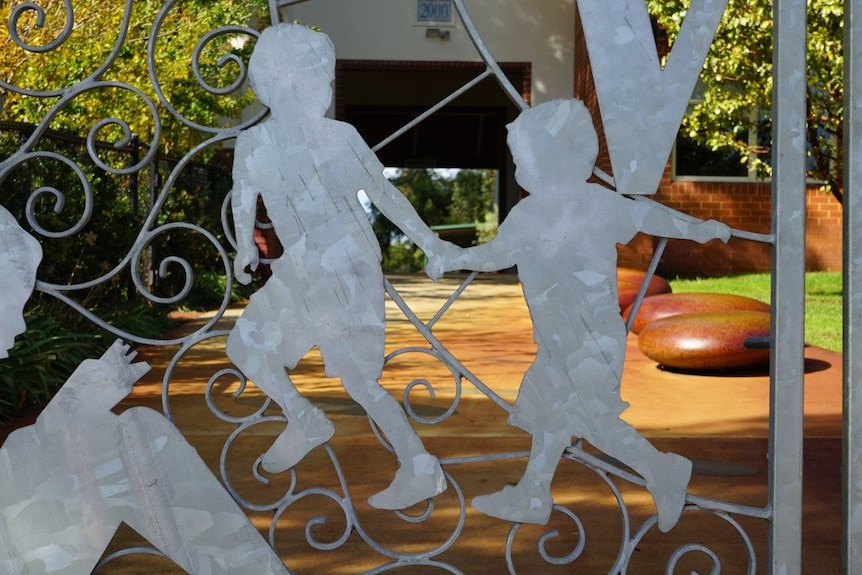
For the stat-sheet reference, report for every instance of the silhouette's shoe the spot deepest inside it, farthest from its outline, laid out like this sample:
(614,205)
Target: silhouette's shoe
(668,489)
(416,480)
(517,503)
(304,432)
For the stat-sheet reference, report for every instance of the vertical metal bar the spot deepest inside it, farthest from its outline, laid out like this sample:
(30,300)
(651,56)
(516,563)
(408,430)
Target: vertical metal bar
(639,298)
(788,287)
(852,449)
(134,176)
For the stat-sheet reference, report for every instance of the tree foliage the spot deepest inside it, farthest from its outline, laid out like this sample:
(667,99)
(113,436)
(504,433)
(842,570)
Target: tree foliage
(86,69)
(737,82)
(95,39)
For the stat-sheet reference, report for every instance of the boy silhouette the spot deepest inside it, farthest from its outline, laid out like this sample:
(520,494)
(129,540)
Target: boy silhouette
(326,290)
(563,239)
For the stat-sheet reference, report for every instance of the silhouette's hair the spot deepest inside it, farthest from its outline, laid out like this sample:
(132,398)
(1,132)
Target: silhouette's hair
(562,123)
(291,48)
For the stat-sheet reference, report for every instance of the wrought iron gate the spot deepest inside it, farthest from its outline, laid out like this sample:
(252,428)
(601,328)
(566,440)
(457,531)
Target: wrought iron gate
(782,513)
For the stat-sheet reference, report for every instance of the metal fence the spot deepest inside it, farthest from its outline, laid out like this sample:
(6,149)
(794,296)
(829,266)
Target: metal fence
(783,512)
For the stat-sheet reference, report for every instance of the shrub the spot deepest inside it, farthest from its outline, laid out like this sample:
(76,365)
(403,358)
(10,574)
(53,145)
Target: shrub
(41,361)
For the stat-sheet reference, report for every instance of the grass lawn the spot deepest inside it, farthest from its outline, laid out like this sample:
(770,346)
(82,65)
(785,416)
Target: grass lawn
(822,300)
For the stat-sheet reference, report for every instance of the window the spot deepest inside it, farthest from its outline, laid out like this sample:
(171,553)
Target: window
(694,161)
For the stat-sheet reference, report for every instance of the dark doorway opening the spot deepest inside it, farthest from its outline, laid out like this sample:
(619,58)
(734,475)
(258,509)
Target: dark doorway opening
(458,137)
(379,97)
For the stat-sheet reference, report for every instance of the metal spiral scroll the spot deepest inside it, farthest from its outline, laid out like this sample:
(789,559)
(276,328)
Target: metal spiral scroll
(34,8)
(229,60)
(281,505)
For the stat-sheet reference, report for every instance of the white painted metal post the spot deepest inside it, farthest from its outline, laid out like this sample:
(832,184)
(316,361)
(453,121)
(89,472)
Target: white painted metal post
(788,287)
(852,514)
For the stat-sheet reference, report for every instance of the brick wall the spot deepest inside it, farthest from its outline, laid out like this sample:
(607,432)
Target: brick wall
(824,221)
(741,205)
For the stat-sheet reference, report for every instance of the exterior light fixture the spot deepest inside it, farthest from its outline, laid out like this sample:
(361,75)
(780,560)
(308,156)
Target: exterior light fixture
(437,33)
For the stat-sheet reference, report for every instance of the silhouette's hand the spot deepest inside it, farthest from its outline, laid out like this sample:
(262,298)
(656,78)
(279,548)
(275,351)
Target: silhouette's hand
(712,229)
(245,259)
(446,256)
(436,266)
(100,384)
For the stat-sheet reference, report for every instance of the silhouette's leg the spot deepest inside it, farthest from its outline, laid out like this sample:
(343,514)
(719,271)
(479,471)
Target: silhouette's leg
(308,427)
(32,545)
(178,505)
(666,474)
(594,409)
(419,476)
(529,500)
(52,481)
(354,350)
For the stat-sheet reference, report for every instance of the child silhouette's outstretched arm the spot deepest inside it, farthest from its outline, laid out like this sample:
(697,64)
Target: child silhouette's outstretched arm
(500,253)
(656,220)
(398,209)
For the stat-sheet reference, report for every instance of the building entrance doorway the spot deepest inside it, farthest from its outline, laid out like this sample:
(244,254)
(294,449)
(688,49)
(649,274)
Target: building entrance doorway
(379,97)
